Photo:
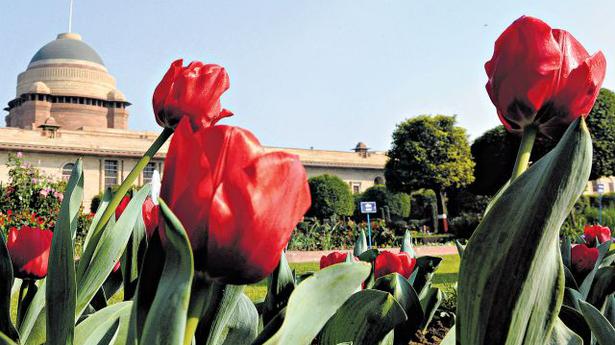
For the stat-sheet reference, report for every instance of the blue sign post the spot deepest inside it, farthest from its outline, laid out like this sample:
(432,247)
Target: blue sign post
(600,192)
(368,207)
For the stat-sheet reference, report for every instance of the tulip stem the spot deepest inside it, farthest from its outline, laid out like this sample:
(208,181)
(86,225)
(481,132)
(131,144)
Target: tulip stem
(198,301)
(130,179)
(525,150)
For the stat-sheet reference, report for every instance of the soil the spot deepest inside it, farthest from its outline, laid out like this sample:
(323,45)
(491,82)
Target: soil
(440,325)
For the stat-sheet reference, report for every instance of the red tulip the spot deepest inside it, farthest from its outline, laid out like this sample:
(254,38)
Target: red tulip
(593,232)
(332,259)
(150,216)
(583,258)
(122,206)
(542,76)
(388,262)
(116,267)
(237,203)
(192,91)
(29,250)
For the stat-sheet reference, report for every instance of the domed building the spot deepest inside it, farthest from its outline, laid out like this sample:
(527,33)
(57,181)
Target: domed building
(67,79)
(67,106)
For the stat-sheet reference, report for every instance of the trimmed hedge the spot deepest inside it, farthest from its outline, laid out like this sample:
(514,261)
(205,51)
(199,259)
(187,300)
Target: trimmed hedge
(331,197)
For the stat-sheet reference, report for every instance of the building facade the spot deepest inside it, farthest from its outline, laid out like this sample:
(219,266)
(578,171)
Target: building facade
(67,106)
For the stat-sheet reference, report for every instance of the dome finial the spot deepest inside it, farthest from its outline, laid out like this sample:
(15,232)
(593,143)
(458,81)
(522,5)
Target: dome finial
(70,16)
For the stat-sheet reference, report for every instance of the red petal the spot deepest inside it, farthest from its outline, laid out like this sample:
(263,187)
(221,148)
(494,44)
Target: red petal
(164,89)
(29,251)
(253,214)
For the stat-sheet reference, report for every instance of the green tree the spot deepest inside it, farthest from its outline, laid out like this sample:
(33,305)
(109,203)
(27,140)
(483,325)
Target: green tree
(330,197)
(429,152)
(398,204)
(495,151)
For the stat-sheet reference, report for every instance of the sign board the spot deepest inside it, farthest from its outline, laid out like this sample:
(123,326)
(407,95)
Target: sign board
(368,207)
(600,188)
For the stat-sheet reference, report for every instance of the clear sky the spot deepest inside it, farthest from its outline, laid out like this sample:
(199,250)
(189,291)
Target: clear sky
(305,73)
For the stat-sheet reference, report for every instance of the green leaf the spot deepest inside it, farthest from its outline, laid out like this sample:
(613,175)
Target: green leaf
(242,326)
(406,244)
(361,245)
(570,282)
(576,322)
(603,285)
(5,340)
(608,310)
(91,236)
(280,284)
(133,256)
(449,338)
(563,335)
(460,249)
(600,326)
(566,247)
(365,318)
(400,288)
(424,270)
(430,298)
(6,283)
(60,295)
(223,299)
(316,299)
(149,278)
(32,329)
(369,255)
(511,279)
(166,319)
(108,251)
(96,326)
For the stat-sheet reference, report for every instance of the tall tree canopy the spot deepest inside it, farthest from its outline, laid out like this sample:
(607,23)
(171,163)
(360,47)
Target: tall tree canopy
(429,152)
(495,151)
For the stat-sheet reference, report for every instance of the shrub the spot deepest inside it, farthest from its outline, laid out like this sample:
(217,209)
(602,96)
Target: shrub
(423,209)
(464,224)
(331,197)
(395,205)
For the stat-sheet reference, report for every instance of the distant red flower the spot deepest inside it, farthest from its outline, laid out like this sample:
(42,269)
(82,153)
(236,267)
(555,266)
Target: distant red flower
(116,267)
(583,258)
(29,250)
(388,262)
(9,212)
(542,76)
(193,91)
(593,232)
(122,206)
(332,259)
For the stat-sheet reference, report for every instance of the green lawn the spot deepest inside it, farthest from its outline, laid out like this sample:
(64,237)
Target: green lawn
(444,277)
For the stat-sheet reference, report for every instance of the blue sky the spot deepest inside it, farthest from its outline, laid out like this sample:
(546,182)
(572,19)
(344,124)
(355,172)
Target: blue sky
(305,73)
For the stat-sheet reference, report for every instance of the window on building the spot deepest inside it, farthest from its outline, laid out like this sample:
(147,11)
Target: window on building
(67,169)
(148,172)
(111,173)
(355,187)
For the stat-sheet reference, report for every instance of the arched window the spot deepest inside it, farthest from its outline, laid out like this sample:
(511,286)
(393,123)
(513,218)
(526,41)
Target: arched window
(67,169)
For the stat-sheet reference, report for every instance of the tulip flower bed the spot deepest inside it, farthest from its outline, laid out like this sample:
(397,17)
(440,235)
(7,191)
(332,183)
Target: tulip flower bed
(181,252)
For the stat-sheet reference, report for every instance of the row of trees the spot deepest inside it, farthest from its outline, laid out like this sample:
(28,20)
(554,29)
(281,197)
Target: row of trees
(431,152)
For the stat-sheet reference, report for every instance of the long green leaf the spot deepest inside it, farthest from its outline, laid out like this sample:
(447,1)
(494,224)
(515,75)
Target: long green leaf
(600,326)
(166,319)
(223,299)
(511,280)
(91,235)
(6,272)
(589,279)
(32,329)
(61,285)
(242,327)
(365,318)
(96,326)
(602,287)
(316,299)
(360,245)
(5,340)
(400,288)
(109,249)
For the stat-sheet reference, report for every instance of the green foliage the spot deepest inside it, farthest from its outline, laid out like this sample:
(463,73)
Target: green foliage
(520,254)
(397,205)
(423,207)
(429,152)
(601,123)
(331,197)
